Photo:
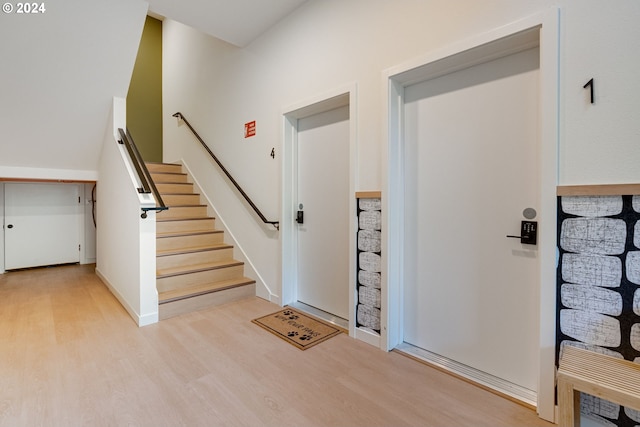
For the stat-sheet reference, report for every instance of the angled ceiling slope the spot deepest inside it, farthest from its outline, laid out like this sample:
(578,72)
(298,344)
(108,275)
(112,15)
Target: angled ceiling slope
(238,22)
(59,72)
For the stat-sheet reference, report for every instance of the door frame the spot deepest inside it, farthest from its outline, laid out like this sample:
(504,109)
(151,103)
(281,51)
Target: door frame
(339,97)
(541,29)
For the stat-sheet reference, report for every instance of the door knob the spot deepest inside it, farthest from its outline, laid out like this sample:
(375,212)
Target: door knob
(10,226)
(300,217)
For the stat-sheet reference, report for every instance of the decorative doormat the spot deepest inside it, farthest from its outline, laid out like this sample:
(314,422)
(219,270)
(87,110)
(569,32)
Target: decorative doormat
(297,328)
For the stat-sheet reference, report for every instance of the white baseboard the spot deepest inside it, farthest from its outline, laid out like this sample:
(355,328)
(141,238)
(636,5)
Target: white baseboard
(140,320)
(367,336)
(500,385)
(327,317)
(148,319)
(275,299)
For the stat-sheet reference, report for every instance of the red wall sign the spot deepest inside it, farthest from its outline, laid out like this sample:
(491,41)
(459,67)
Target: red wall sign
(250,129)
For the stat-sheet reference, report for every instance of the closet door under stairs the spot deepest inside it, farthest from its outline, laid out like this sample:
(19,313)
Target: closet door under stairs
(195,268)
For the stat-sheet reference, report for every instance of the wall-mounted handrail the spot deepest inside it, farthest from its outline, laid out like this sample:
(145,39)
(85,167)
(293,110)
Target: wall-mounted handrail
(147,183)
(276,224)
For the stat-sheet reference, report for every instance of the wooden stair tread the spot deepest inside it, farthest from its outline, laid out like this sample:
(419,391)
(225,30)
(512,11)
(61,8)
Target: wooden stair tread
(193,291)
(169,178)
(180,194)
(194,249)
(163,167)
(199,218)
(196,268)
(176,183)
(168,173)
(186,233)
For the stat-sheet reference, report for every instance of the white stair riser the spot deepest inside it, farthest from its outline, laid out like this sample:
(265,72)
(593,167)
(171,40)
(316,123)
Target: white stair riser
(199,278)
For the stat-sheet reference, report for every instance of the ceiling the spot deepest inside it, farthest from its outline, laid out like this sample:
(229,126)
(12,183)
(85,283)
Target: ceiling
(237,22)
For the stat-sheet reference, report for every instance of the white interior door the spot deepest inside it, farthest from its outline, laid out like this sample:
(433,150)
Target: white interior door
(42,224)
(323,197)
(471,169)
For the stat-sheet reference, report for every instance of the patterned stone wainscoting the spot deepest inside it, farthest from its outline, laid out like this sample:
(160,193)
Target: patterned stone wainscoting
(369,262)
(598,289)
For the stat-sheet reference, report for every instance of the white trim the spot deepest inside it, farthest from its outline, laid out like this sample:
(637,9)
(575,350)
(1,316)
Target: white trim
(27,173)
(507,388)
(145,320)
(289,267)
(369,337)
(275,299)
(550,138)
(457,56)
(392,221)
(327,317)
(81,214)
(148,319)
(346,95)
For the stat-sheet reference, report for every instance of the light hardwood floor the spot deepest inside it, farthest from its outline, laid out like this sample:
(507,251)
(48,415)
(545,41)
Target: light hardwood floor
(71,356)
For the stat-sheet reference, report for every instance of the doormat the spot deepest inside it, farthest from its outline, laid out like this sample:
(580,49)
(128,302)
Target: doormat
(296,328)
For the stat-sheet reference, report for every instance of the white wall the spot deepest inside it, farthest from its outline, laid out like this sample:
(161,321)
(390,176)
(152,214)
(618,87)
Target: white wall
(332,43)
(597,141)
(197,59)
(126,243)
(59,71)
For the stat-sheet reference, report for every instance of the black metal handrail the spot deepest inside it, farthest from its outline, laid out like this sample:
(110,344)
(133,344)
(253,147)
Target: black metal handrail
(146,181)
(276,224)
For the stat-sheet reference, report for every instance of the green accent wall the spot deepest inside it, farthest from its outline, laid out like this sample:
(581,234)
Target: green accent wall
(144,100)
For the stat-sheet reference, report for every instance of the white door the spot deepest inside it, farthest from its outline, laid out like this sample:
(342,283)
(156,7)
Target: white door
(471,293)
(42,224)
(323,197)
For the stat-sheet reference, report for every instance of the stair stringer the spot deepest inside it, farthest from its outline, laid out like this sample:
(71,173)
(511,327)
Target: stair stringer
(262,289)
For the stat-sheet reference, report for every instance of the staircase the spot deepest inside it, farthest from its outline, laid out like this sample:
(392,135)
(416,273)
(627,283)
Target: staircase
(195,268)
